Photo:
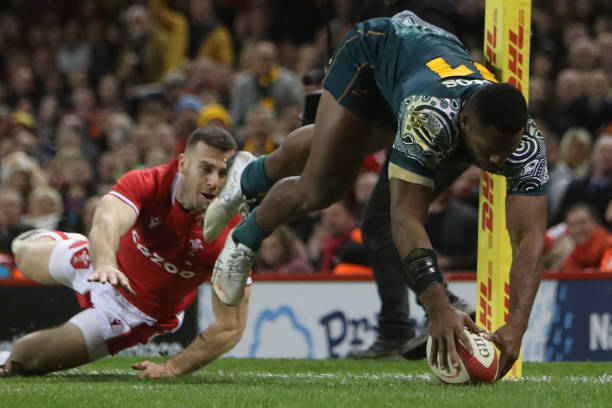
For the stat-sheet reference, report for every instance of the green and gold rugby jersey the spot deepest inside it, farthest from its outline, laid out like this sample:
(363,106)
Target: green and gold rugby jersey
(425,75)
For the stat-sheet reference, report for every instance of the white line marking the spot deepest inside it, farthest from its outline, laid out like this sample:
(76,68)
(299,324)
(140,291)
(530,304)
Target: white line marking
(602,379)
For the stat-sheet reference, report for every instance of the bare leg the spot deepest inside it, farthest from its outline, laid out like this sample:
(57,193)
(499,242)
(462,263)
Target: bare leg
(32,260)
(290,158)
(49,350)
(52,349)
(339,144)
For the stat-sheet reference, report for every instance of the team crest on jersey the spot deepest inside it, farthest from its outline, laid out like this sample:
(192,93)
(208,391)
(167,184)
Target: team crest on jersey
(428,128)
(80,260)
(196,244)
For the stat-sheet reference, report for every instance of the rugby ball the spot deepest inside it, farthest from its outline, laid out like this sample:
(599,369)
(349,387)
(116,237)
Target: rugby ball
(481,367)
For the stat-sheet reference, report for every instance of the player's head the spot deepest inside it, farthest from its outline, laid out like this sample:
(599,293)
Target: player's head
(203,167)
(492,123)
(582,221)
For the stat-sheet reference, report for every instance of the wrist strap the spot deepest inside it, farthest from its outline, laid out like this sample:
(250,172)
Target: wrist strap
(421,269)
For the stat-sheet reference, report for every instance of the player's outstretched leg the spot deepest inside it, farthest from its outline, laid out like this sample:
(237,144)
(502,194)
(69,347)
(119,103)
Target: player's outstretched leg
(50,349)
(341,141)
(32,250)
(249,179)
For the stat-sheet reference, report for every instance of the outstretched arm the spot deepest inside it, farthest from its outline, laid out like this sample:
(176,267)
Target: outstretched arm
(409,205)
(112,219)
(526,220)
(217,339)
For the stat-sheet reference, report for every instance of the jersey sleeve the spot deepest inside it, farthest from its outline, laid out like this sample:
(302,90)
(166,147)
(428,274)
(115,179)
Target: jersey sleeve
(135,188)
(426,135)
(526,171)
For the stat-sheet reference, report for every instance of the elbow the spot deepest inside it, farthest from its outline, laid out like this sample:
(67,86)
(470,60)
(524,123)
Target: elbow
(231,333)
(234,334)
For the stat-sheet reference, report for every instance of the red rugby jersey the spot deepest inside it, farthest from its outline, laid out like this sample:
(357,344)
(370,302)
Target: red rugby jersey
(163,255)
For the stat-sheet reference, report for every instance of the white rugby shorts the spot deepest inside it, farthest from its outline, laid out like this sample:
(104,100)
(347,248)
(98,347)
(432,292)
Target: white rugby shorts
(113,323)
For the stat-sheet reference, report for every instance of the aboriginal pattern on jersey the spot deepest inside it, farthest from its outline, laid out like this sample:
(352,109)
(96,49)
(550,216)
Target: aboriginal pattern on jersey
(428,128)
(428,137)
(526,170)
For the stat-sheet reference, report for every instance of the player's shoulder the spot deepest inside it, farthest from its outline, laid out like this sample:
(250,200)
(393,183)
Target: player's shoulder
(148,181)
(527,168)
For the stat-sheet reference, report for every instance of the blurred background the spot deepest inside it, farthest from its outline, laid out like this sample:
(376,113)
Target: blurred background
(90,89)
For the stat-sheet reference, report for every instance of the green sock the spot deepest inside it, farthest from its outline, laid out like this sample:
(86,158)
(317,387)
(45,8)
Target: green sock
(249,233)
(254,180)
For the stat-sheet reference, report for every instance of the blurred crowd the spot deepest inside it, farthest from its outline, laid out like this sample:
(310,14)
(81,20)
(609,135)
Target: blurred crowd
(90,89)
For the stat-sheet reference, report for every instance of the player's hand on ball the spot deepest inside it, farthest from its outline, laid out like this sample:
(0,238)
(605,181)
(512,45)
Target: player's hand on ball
(445,325)
(508,340)
(153,370)
(113,276)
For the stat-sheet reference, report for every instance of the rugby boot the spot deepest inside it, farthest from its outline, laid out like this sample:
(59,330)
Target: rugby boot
(230,200)
(231,271)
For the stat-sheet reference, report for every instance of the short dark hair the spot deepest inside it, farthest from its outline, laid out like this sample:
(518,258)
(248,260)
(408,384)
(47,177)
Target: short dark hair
(591,211)
(214,136)
(501,106)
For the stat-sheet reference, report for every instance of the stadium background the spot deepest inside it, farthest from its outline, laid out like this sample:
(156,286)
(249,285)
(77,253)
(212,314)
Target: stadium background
(82,101)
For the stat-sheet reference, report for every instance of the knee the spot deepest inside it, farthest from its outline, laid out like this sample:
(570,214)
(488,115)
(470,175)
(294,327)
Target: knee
(24,358)
(20,254)
(233,330)
(318,197)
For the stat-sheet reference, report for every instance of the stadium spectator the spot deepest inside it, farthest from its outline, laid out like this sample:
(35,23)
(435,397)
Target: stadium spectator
(596,187)
(45,209)
(208,37)
(187,110)
(11,210)
(109,93)
(266,84)
(146,216)
(557,247)
(283,253)
(591,239)
(215,114)
(604,42)
(336,239)
(259,135)
(22,173)
(74,52)
(570,107)
(142,57)
(573,163)
(599,99)
(364,186)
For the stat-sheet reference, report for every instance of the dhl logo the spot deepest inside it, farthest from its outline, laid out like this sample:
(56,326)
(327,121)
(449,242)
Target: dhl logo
(491,43)
(516,50)
(486,288)
(485,300)
(487,205)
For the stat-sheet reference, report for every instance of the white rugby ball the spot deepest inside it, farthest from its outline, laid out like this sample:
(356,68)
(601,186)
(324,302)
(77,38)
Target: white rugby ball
(481,367)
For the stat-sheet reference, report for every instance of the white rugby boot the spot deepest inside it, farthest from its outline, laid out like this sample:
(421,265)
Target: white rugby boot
(231,271)
(230,199)
(34,234)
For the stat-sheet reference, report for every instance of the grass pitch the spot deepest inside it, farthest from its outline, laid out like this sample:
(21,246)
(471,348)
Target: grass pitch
(307,383)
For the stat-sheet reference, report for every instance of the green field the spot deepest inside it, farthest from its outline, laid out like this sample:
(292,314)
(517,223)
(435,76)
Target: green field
(307,383)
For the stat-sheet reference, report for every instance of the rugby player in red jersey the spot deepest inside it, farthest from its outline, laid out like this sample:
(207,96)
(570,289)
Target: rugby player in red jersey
(139,269)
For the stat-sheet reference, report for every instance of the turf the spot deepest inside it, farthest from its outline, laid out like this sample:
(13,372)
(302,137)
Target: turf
(307,383)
